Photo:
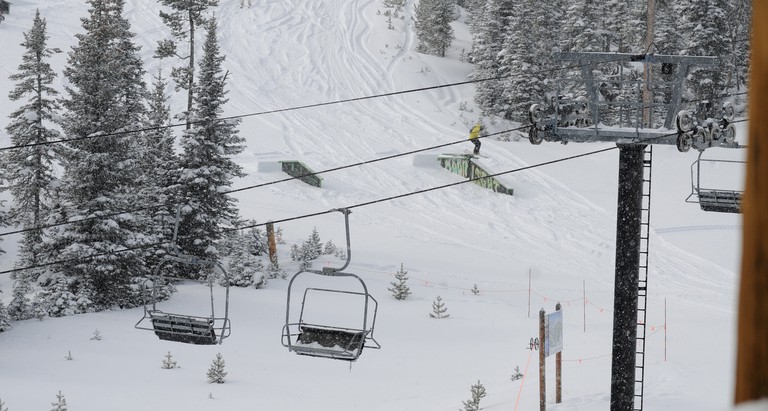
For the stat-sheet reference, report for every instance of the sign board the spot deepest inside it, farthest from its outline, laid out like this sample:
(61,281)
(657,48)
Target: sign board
(553,333)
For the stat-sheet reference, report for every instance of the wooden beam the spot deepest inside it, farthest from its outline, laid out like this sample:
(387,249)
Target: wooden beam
(752,355)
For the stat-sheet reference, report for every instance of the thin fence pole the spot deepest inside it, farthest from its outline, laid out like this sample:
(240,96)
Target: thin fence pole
(529,293)
(584,300)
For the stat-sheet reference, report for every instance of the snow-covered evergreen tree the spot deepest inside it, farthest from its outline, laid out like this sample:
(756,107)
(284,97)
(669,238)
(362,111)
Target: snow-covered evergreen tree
(106,94)
(706,26)
(20,307)
(519,61)
(216,373)
(207,168)
(29,169)
(583,29)
(433,25)
(244,268)
(399,288)
(184,19)
(60,404)
(478,392)
(5,320)
(168,362)
(439,309)
(159,167)
(486,47)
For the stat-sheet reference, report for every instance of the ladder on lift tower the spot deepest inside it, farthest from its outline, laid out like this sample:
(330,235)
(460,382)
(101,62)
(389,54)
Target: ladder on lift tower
(642,286)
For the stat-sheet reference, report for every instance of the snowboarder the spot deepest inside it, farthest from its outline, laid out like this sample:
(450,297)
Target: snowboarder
(474,136)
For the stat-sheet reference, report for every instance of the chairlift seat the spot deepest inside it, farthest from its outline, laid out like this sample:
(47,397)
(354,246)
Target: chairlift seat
(723,201)
(331,337)
(182,328)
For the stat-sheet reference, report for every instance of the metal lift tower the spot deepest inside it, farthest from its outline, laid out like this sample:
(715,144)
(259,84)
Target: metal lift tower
(635,114)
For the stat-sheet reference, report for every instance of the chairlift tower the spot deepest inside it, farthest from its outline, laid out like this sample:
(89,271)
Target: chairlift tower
(635,114)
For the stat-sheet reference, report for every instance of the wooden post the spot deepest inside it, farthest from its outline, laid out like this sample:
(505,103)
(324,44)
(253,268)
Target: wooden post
(542,368)
(752,349)
(558,370)
(271,243)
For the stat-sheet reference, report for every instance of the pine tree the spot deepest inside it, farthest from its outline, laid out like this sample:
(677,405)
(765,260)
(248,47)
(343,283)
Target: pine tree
(519,62)
(439,309)
(478,392)
(399,289)
(29,169)
(5,320)
(486,48)
(168,362)
(207,167)
(20,307)
(433,25)
(475,290)
(105,95)
(216,373)
(159,165)
(705,24)
(517,374)
(244,268)
(2,406)
(60,404)
(184,19)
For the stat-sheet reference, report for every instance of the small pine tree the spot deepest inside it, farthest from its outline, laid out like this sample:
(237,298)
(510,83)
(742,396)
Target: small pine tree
(478,392)
(438,309)
(329,248)
(168,361)
(2,406)
(475,290)
(96,335)
(60,404)
(216,373)
(69,356)
(517,374)
(399,290)
(313,246)
(274,271)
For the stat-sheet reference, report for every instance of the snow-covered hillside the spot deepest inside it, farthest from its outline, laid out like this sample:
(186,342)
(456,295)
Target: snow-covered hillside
(558,230)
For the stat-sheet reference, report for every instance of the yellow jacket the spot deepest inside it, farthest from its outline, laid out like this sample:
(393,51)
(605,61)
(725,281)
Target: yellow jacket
(475,133)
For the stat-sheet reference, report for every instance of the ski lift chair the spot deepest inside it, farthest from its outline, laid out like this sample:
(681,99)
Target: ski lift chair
(185,328)
(709,199)
(331,340)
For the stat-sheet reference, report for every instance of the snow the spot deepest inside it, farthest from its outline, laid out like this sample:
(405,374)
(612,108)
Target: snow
(557,231)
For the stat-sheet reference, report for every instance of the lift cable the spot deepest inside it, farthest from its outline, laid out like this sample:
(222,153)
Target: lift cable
(155,206)
(319,213)
(274,111)
(287,109)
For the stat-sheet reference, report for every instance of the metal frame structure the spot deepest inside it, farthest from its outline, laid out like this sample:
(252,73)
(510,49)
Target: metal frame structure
(577,119)
(567,118)
(330,341)
(191,329)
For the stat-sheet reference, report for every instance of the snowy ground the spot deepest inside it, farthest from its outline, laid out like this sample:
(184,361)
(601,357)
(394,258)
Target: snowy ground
(558,230)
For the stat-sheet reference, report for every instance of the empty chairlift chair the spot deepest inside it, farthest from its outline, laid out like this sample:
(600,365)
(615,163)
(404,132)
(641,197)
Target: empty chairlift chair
(709,198)
(332,338)
(185,328)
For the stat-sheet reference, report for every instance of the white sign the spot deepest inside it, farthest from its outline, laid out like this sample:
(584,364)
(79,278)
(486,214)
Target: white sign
(553,333)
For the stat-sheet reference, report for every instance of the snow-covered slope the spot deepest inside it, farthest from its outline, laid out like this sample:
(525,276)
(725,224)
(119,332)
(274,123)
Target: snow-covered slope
(557,231)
